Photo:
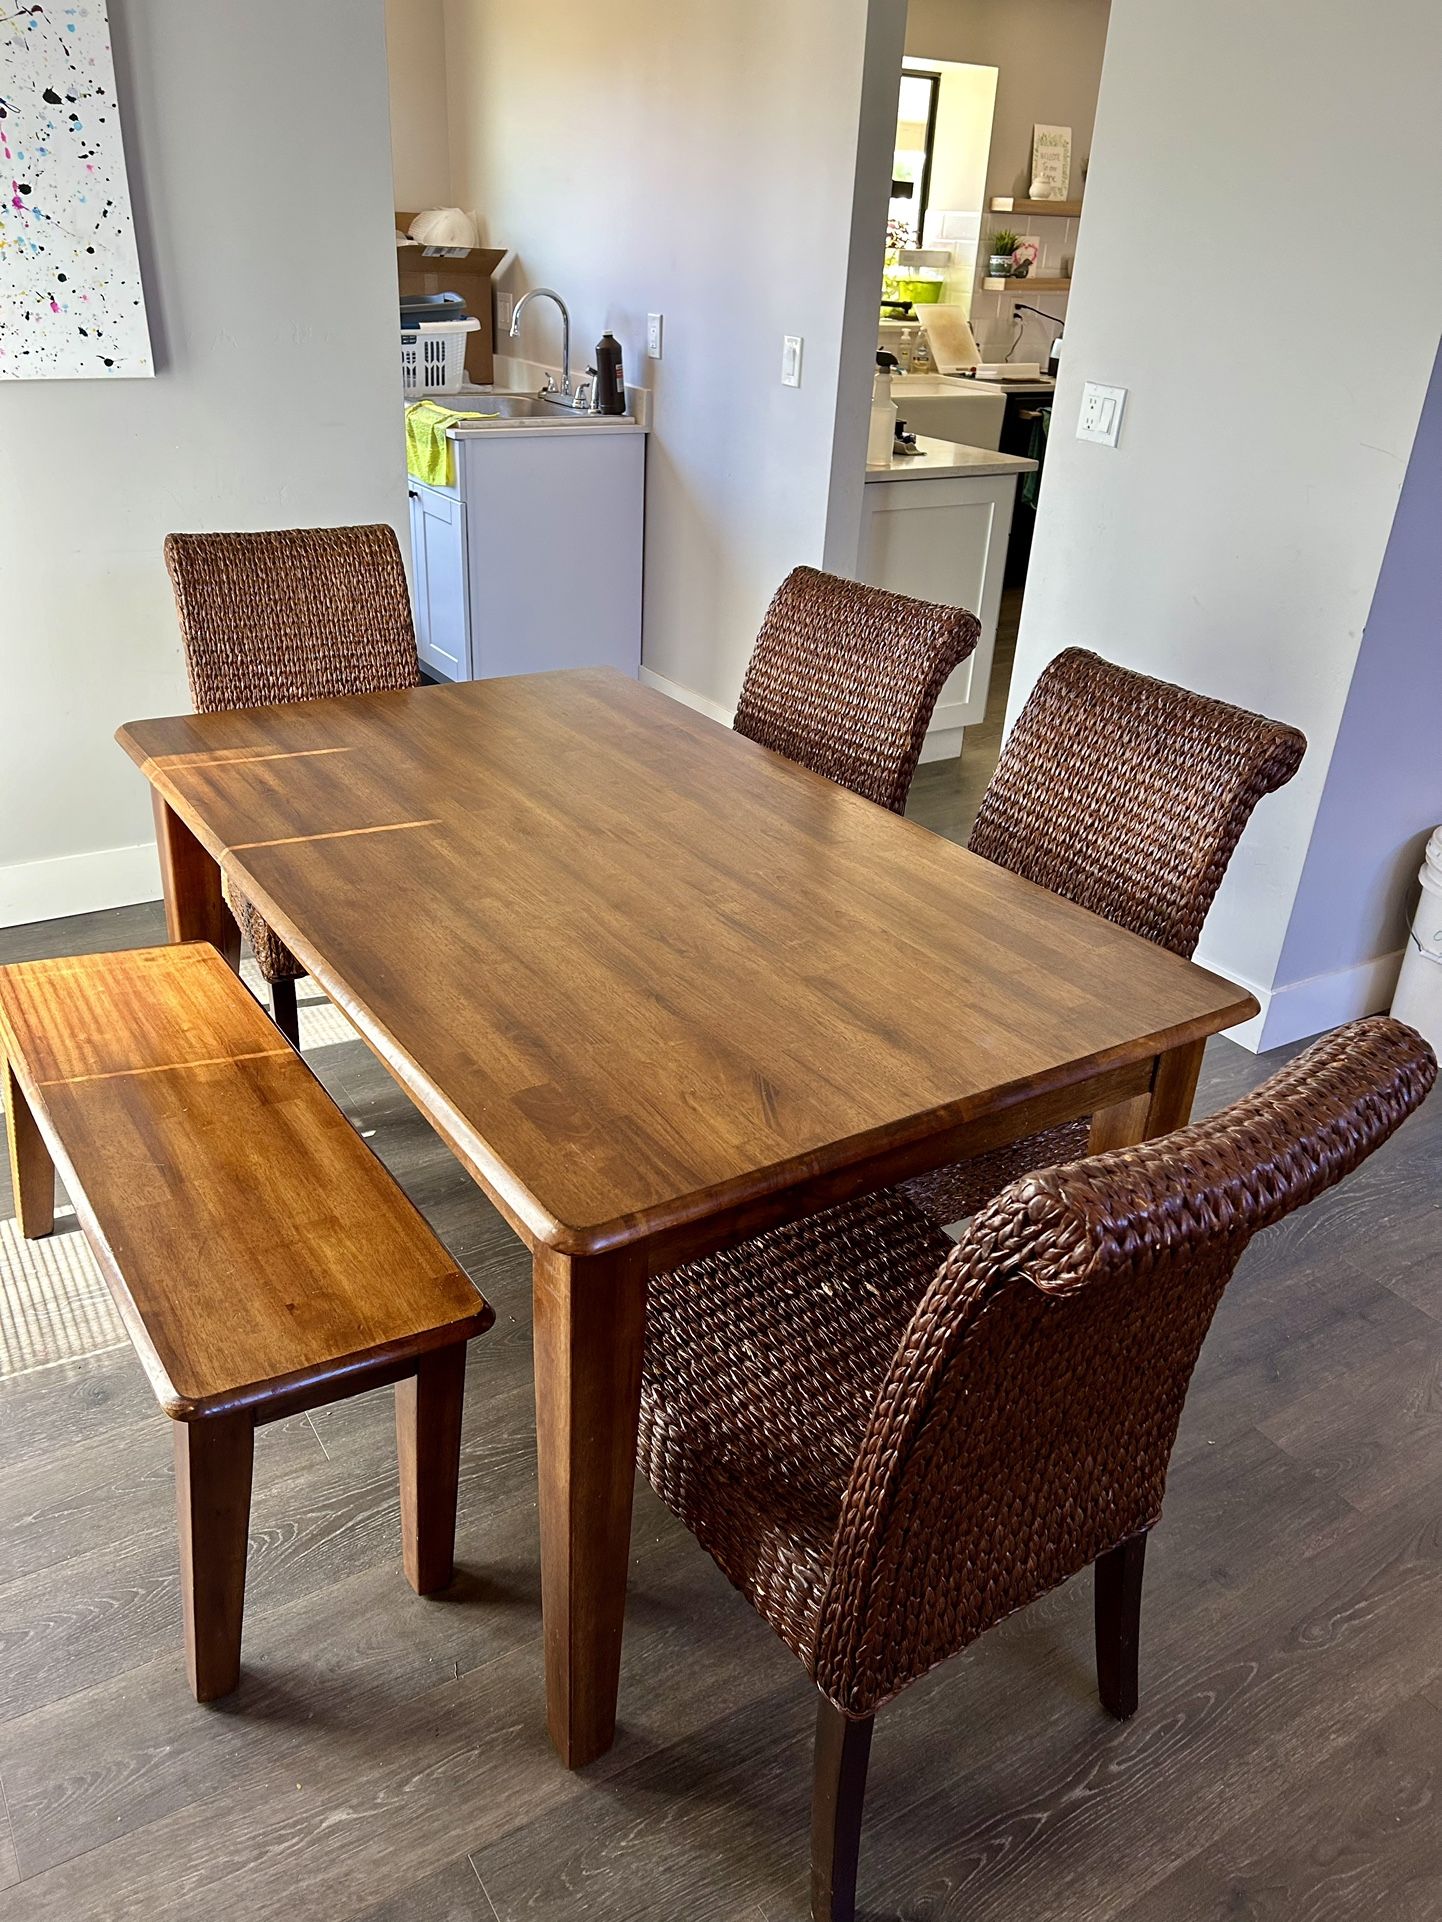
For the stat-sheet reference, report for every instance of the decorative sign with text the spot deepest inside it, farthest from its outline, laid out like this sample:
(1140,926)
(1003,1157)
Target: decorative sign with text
(1050,162)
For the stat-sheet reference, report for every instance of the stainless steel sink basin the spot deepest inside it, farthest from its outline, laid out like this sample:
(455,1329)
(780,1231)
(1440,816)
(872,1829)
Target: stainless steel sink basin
(509,409)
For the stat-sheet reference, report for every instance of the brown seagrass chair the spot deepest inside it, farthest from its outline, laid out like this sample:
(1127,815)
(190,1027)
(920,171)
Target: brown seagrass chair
(844,678)
(299,614)
(1127,795)
(889,1442)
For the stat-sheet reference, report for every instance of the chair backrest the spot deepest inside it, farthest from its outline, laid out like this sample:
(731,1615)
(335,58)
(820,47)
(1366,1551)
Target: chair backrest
(1028,1416)
(293,615)
(1129,795)
(844,678)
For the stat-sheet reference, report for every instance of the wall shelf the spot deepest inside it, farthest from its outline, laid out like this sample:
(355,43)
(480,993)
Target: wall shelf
(1057,209)
(1043,284)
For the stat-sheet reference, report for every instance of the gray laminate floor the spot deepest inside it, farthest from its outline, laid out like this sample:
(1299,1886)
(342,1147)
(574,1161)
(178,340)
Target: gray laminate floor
(385,1759)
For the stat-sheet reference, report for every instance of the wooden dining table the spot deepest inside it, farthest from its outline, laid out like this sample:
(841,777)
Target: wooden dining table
(659,989)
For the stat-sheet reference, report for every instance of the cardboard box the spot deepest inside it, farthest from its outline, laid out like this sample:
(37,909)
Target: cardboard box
(466,274)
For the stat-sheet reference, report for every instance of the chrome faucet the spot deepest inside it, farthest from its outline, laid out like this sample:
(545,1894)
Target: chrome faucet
(549,293)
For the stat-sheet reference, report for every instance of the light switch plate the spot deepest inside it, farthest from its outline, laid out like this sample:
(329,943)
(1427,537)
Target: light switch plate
(653,336)
(791,360)
(1101,413)
(505,307)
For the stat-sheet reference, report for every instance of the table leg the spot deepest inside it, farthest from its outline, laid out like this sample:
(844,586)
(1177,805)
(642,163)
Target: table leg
(195,908)
(590,1320)
(1166,1105)
(32,1172)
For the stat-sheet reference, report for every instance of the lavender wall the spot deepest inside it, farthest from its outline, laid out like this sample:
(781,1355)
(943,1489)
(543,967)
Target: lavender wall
(1384,787)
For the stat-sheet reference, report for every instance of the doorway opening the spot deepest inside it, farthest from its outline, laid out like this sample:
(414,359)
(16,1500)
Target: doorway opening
(995,108)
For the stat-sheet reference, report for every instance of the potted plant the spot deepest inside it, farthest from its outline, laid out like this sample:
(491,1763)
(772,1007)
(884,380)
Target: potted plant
(1003,244)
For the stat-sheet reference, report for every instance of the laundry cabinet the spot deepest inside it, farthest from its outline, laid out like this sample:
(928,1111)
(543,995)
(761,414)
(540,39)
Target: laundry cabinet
(531,560)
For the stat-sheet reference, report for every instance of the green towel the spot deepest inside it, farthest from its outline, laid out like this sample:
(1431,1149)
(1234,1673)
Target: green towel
(430,452)
(1036,450)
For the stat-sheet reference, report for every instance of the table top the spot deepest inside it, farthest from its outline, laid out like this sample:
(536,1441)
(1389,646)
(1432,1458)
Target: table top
(638,969)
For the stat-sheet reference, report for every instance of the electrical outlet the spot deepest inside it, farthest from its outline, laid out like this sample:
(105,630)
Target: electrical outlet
(791,360)
(1101,413)
(653,336)
(505,307)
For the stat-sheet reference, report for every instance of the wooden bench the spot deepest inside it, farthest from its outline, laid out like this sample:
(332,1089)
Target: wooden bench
(262,1259)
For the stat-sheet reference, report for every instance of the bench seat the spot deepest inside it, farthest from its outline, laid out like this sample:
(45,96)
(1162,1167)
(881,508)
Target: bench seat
(261,1257)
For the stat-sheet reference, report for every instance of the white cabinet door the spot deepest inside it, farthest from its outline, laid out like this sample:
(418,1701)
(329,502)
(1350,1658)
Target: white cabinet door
(554,534)
(944,540)
(438,550)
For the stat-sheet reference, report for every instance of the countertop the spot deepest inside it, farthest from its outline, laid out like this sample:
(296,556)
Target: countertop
(1043,384)
(559,421)
(937,384)
(948,460)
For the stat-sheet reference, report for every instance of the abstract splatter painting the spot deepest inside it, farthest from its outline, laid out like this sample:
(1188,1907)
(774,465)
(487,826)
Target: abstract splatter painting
(71,301)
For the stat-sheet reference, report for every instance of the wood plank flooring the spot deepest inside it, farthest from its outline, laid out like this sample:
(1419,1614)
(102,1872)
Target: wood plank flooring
(385,1758)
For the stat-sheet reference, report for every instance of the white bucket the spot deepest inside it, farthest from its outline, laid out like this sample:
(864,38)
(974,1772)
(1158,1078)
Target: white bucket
(1418,1000)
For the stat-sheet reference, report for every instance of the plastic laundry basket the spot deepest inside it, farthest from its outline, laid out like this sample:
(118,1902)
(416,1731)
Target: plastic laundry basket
(433,355)
(1419,987)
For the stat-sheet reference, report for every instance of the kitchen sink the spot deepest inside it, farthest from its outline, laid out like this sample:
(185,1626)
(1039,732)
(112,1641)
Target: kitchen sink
(515,408)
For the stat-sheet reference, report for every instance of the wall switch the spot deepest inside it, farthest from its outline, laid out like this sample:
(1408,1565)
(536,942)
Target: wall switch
(653,336)
(791,361)
(505,307)
(1101,413)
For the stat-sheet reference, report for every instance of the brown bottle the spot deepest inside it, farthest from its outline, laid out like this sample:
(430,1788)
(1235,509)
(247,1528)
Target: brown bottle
(610,376)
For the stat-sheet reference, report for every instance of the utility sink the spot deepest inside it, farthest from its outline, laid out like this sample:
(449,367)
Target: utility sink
(514,408)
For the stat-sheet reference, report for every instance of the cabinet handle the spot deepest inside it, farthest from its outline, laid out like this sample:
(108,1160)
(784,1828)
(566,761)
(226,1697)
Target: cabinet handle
(413,494)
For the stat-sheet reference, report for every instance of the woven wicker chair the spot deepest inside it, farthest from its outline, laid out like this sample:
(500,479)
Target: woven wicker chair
(1127,795)
(889,1442)
(296,615)
(844,678)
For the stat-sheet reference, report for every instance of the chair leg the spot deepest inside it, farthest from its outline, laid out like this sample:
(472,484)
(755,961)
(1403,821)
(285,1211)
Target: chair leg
(213,1460)
(284,1010)
(429,1405)
(1118,1595)
(32,1172)
(843,1748)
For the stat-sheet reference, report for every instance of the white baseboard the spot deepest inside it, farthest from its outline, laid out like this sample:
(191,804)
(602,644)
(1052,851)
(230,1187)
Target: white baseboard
(713,710)
(942,743)
(1299,1009)
(78,884)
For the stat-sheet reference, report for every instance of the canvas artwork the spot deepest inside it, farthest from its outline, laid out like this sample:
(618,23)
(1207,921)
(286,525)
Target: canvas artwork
(71,301)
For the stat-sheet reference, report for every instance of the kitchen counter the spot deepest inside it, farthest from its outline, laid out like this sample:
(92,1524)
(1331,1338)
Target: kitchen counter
(948,460)
(943,538)
(1043,384)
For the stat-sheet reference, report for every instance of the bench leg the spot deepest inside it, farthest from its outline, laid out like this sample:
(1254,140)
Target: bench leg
(213,1460)
(32,1172)
(428,1443)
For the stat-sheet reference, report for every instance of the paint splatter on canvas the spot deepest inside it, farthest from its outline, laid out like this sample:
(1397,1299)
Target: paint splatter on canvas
(71,301)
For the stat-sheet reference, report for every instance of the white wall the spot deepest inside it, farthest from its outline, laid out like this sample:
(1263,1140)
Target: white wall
(262,198)
(960,153)
(1048,56)
(1234,539)
(420,129)
(698,162)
